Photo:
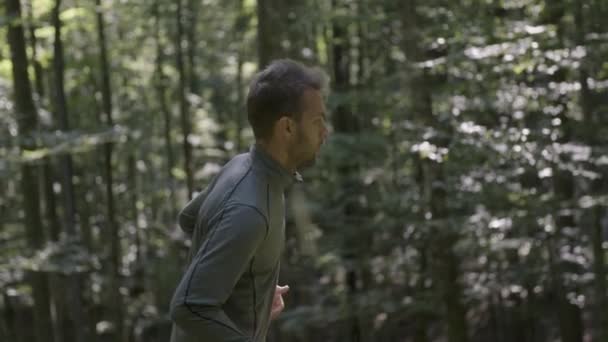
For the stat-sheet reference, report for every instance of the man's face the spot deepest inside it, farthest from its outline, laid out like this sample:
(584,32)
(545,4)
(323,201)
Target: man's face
(311,130)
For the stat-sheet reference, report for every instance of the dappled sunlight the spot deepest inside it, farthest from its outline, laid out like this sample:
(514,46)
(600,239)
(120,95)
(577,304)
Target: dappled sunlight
(460,193)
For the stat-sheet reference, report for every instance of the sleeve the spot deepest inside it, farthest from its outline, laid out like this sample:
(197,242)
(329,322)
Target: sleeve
(196,307)
(188,215)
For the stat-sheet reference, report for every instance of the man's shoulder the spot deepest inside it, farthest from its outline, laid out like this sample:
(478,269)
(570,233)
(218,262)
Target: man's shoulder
(238,183)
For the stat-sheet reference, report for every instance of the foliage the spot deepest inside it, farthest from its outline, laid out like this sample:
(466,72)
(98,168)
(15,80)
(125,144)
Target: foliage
(512,136)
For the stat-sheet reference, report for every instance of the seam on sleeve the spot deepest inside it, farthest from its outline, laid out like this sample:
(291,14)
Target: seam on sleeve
(259,212)
(185,303)
(268,207)
(189,307)
(255,315)
(186,214)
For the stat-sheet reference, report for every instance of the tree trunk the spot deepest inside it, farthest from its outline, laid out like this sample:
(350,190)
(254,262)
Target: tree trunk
(445,263)
(49,199)
(183,102)
(67,290)
(61,115)
(569,315)
(599,268)
(50,205)
(162,99)
(27,124)
(113,238)
(421,321)
(34,44)
(192,16)
(600,304)
(240,103)
(270,29)
(240,27)
(345,122)
(73,326)
(138,281)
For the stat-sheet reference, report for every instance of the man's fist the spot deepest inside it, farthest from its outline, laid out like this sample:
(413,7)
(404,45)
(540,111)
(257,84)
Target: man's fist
(277,302)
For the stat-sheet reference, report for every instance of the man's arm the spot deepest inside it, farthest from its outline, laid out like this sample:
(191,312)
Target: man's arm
(188,215)
(225,255)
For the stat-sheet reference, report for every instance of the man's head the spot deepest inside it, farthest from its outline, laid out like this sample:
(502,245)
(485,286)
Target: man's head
(286,110)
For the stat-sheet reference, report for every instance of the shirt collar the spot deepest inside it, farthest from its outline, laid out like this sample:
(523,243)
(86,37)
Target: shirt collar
(275,169)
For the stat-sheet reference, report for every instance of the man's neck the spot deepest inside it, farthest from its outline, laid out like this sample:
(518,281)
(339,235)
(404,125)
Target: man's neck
(278,154)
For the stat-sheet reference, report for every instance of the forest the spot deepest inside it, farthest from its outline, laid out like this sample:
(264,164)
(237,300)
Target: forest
(462,194)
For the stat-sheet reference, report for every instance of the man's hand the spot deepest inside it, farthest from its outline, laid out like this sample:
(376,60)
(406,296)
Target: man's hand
(277,302)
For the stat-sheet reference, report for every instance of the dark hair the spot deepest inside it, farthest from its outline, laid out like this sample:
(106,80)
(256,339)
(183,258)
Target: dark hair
(277,91)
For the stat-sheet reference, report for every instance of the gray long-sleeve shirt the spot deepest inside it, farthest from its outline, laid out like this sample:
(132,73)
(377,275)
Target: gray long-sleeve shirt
(237,226)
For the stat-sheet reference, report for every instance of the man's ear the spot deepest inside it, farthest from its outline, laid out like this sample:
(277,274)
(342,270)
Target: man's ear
(286,125)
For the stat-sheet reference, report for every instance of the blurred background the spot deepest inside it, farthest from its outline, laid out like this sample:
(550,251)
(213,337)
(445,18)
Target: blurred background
(461,197)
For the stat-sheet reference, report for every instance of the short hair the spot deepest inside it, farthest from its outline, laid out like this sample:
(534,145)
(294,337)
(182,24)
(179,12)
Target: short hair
(277,91)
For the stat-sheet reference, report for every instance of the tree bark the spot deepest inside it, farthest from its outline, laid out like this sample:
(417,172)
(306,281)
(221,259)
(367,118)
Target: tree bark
(240,27)
(183,102)
(116,301)
(443,238)
(50,204)
(160,83)
(67,289)
(192,16)
(345,121)
(599,267)
(270,29)
(61,115)
(34,44)
(569,315)
(27,124)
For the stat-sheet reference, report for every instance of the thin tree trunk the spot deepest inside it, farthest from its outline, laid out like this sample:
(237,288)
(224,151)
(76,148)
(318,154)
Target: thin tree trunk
(599,268)
(50,205)
(445,268)
(27,124)
(61,115)
(344,121)
(34,44)
(193,7)
(240,27)
(72,323)
(132,179)
(50,201)
(421,321)
(569,315)
(240,104)
(270,31)
(162,98)
(183,102)
(596,236)
(113,237)
(363,102)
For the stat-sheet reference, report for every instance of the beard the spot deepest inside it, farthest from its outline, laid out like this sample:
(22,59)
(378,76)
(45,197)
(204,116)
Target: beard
(303,152)
(309,162)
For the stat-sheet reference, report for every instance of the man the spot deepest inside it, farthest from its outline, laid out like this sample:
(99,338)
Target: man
(230,290)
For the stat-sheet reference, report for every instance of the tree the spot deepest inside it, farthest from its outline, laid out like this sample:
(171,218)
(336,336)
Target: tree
(115,262)
(73,328)
(27,124)
(590,122)
(183,102)
(433,182)
(160,84)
